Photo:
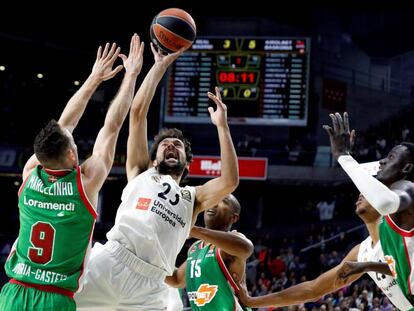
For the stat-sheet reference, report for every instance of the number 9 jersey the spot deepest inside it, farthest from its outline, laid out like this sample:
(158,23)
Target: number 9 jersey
(56,224)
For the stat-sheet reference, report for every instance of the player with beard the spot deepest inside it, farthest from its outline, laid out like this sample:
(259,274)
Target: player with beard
(156,213)
(368,251)
(212,259)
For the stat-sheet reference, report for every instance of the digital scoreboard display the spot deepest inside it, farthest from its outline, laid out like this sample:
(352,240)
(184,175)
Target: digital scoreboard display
(263,81)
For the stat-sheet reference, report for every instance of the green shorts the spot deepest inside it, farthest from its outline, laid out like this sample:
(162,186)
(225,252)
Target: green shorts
(15,297)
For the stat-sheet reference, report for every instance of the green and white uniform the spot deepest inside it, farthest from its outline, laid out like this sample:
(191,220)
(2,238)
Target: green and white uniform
(56,224)
(388,285)
(208,282)
(398,248)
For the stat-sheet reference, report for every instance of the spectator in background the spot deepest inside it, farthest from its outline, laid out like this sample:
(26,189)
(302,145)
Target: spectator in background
(362,301)
(381,148)
(5,249)
(294,151)
(276,266)
(386,305)
(251,269)
(249,145)
(405,134)
(376,304)
(326,209)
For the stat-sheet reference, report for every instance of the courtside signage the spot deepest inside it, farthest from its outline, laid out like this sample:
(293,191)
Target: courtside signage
(210,166)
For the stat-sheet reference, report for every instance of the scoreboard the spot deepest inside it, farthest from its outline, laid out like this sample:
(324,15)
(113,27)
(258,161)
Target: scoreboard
(263,81)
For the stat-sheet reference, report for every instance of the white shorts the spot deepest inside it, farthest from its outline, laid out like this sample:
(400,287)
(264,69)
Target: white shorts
(115,279)
(174,300)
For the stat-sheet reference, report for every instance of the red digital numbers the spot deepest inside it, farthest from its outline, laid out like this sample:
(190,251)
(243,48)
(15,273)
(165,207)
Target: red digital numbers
(248,77)
(239,77)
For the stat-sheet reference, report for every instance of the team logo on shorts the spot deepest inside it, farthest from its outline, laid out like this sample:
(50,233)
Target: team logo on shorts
(204,294)
(186,195)
(143,204)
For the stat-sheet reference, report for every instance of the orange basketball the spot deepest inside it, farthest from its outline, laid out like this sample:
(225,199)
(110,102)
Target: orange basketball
(173,29)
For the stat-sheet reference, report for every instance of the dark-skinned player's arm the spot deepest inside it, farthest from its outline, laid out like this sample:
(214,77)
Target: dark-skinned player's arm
(138,159)
(326,283)
(177,279)
(352,267)
(74,109)
(231,242)
(213,191)
(385,200)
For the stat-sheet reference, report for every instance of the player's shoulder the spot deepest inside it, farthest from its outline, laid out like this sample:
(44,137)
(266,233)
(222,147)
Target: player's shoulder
(364,248)
(353,253)
(92,168)
(150,172)
(366,241)
(193,247)
(403,185)
(239,234)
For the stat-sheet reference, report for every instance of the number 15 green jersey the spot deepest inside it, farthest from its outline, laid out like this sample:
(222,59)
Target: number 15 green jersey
(208,282)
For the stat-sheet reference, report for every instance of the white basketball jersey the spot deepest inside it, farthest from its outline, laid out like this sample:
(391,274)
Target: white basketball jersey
(154,218)
(387,283)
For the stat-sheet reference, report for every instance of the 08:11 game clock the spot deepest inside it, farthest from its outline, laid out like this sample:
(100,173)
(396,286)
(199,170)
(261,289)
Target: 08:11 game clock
(263,81)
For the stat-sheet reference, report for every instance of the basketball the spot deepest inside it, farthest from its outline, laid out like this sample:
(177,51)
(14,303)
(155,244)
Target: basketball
(172,29)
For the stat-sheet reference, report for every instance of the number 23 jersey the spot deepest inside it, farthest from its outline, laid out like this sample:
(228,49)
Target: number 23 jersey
(154,218)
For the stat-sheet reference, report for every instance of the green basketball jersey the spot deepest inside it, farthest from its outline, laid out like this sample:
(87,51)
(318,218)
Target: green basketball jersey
(398,247)
(208,282)
(56,224)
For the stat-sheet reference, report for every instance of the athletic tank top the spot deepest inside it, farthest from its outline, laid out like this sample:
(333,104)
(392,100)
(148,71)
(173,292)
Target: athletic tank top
(398,247)
(387,283)
(208,282)
(56,224)
(154,218)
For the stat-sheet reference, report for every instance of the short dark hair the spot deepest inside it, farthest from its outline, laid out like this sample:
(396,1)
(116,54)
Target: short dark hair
(410,150)
(234,203)
(171,133)
(51,143)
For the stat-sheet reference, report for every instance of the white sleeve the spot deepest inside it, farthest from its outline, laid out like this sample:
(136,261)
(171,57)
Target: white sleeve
(377,194)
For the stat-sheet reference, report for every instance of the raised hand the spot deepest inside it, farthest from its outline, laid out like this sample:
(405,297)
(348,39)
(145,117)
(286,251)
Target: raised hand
(133,63)
(342,139)
(218,117)
(165,60)
(102,69)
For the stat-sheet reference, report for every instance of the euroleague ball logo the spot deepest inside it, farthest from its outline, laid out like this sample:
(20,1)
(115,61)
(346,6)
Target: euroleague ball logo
(168,41)
(173,29)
